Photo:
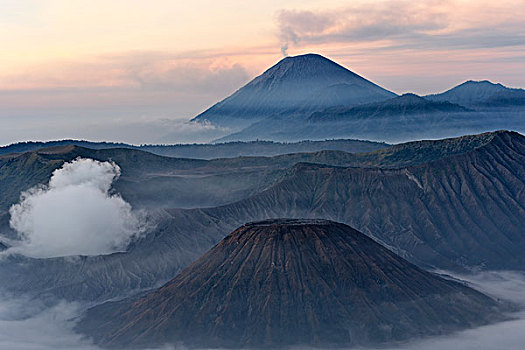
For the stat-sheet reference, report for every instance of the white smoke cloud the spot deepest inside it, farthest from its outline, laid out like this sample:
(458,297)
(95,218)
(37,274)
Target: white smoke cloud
(75,214)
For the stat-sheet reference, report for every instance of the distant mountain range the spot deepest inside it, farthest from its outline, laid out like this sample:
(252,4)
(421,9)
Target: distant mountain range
(311,97)
(407,105)
(452,204)
(281,283)
(213,150)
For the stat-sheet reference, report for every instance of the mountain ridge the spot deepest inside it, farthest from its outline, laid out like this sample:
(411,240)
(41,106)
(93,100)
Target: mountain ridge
(211,150)
(407,104)
(473,93)
(400,192)
(471,107)
(447,203)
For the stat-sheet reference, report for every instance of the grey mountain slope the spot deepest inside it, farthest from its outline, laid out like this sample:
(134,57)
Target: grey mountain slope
(154,181)
(299,84)
(405,105)
(466,210)
(514,99)
(456,203)
(401,119)
(282,283)
(481,93)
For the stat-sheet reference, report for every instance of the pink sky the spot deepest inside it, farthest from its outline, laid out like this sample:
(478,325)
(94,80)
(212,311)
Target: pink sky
(79,60)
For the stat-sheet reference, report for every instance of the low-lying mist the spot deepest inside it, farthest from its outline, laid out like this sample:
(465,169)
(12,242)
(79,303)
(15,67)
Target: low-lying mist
(509,335)
(75,214)
(33,325)
(29,324)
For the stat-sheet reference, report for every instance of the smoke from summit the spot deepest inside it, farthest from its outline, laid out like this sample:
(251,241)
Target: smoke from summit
(75,214)
(284,49)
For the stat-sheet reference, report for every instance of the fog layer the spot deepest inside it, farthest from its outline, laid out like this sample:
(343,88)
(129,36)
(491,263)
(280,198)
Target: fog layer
(28,324)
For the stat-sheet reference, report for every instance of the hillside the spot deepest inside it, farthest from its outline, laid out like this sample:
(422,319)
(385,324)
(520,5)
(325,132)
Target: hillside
(406,105)
(156,181)
(465,210)
(401,119)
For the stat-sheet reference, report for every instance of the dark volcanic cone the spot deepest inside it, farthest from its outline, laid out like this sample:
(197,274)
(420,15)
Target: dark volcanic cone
(292,282)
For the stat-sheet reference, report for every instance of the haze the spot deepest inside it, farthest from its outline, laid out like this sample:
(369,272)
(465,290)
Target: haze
(26,324)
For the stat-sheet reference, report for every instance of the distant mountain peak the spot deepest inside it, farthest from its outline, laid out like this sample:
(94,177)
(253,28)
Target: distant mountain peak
(480,85)
(471,92)
(311,69)
(295,84)
(307,57)
(409,97)
(480,82)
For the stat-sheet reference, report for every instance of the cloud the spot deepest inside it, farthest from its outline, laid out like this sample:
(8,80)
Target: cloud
(509,335)
(75,214)
(32,325)
(141,70)
(158,130)
(126,97)
(407,24)
(133,125)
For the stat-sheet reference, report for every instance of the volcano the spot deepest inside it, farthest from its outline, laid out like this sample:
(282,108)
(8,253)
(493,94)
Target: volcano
(285,282)
(299,84)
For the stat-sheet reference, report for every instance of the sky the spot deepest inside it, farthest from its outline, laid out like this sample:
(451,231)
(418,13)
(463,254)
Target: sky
(137,71)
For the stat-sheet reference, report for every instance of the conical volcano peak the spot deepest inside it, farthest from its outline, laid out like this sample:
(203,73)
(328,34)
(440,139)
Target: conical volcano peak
(281,283)
(296,84)
(308,58)
(310,69)
(309,63)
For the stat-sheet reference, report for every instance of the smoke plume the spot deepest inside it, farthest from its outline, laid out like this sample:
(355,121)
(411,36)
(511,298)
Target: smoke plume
(284,49)
(75,214)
